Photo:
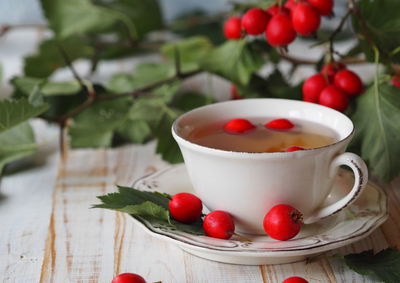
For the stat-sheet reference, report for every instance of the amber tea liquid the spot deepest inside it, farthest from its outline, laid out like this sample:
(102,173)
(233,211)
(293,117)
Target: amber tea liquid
(305,134)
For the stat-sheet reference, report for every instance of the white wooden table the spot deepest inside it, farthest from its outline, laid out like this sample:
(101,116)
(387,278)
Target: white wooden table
(49,234)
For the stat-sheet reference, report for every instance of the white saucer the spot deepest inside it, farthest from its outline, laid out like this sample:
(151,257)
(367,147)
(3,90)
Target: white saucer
(355,222)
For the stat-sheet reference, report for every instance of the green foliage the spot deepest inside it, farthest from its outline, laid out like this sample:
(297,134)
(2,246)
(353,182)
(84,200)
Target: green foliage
(378,132)
(49,59)
(380,21)
(385,265)
(234,61)
(151,206)
(15,143)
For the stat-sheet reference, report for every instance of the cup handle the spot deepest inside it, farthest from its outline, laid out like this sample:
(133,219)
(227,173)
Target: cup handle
(360,180)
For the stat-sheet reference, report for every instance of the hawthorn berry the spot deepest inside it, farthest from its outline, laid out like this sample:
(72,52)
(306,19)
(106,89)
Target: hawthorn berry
(185,207)
(295,279)
(277,9)
(282,222)
(238,126)
(280,30)
(279,124)
(255,21)
(290,5)
(305,19)
(334,98)
(233,28)
(349,82)
(324,7)
(234,92)
(293,148)
(395,81)
(329,70)
(313,86)
(128,278)
(219,224)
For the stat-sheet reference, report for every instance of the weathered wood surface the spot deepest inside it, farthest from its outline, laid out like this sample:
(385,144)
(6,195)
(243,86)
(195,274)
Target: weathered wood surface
(49,234)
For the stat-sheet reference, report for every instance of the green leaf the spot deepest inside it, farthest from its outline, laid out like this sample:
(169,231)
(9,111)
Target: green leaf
(94,127)
(385,264)
(190,52)
(136,131)
(72,17)
(14,112)
(233,60)
(378,131)
(48,59)
(380,20)
(16,143)
(190,100)
(147,209)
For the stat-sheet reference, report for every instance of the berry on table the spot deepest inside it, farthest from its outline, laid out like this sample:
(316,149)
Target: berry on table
(349,82)
(282,222)
(279,124)
(313,87)
(334,98)
(233,28)
(324,7)
(219,224)
(305,19)
(185,207)
(238,126)
(293,148)
(128,278)
(234,92)
(329,70)
(295,279)
(280,30)
(255,21)
(395,81)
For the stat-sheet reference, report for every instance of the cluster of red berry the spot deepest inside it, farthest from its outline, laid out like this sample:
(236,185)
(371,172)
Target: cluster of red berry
(333,86)
(281,24)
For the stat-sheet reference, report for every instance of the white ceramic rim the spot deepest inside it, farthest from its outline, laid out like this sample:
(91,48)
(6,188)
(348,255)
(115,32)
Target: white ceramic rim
(258,155)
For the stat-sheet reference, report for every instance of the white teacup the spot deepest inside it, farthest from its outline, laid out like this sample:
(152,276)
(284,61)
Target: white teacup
(247,185)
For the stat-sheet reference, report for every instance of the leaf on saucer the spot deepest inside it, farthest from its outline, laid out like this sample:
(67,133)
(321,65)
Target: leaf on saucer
(147,209)
(385,264)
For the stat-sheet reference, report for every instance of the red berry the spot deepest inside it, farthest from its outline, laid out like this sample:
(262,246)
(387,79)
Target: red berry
(349,82)
(334,98)
(329,70)
(395,80)
(282,222)
(293,148)
(185,207)
(280,30)
(219,224)
(324,7)
(233,28)
(276,9)
(128,278)
(305,19)
(279,124)
(238,126)
(295,279)
(313,86)
(290,4)
(234,93)
(255,21)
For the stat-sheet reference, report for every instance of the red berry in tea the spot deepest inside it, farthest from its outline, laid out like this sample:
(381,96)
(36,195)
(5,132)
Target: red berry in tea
(233,28)
(219,224)
(255,21)
(334,98)
(280,124)
(128,278)
(276,9)
(349,82)
(329,70)
(185,207)
(313,87)
(280,30)
(293,148)
(305,19)
(324,7)
(295,279)
(282,222)
(238,126)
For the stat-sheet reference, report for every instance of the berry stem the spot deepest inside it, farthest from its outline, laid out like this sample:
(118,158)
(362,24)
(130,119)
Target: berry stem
(242,238)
